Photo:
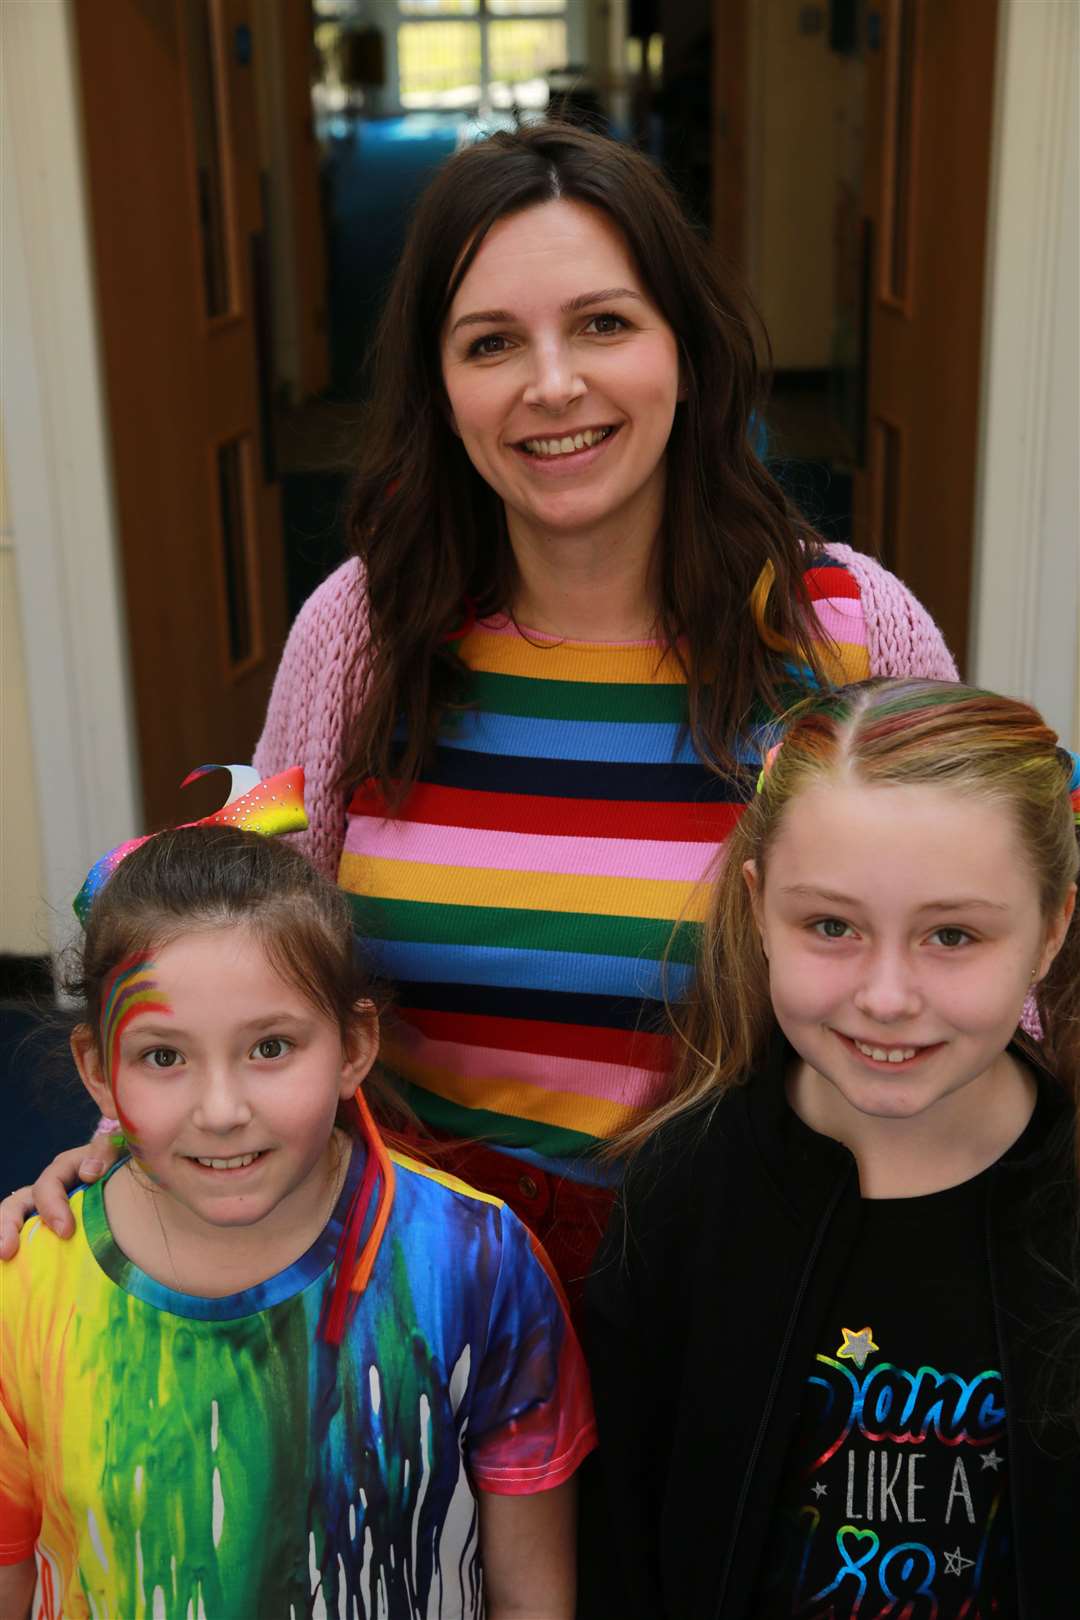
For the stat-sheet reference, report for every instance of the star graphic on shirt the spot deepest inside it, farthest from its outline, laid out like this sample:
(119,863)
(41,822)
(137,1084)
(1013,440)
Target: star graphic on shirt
(992,1461)
(820,1490)
(956,1563)
(857,1346)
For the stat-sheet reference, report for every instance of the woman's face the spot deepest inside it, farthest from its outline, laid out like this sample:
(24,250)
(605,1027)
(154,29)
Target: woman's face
(562,376)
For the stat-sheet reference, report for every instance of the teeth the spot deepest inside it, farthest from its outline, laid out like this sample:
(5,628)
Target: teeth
(889,1054)
(230,1164)
(565,446)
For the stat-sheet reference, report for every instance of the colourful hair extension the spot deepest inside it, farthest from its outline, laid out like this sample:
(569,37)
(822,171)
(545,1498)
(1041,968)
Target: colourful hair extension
(353,1268)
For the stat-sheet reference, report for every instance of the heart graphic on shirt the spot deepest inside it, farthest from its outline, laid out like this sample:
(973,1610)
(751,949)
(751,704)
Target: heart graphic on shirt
(847,1534)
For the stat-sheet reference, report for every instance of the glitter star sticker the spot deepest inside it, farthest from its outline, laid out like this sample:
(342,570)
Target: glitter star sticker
(956,1563)
(992,1461)
(857,1346)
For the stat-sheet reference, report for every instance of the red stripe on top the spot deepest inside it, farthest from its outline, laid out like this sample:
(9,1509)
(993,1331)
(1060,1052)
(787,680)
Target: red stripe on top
(825,582)
(535,813)
(637,1049)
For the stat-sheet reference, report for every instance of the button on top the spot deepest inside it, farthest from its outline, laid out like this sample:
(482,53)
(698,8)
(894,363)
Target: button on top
(527,1187)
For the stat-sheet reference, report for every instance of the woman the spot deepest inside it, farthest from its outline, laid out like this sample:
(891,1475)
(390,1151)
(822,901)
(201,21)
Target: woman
(530,708)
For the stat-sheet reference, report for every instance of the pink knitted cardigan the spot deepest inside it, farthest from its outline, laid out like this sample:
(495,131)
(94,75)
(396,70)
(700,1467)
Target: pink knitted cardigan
(320,682)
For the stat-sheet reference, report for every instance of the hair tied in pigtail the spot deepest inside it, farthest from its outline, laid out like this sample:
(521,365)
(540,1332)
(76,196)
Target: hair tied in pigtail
(273,806)
(355,1258)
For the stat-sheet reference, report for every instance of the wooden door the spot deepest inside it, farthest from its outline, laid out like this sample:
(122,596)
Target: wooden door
(173,170)
(930,92)
(729,119)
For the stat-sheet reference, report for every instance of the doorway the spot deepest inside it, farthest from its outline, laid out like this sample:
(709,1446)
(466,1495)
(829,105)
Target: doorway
(821,144)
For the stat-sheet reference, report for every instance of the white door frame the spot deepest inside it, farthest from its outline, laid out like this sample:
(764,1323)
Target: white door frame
(1025,609)
(60,495)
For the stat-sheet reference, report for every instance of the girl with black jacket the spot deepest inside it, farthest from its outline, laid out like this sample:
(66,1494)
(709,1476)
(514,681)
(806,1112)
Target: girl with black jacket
(834,1329)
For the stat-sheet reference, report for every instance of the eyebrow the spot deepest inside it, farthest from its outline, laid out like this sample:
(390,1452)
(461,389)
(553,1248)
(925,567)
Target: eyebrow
(605,295)
(950,903)
(172,1032)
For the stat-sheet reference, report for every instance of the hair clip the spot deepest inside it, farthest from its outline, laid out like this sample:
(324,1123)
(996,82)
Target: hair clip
(111,1128)
(767,760)
(273,806)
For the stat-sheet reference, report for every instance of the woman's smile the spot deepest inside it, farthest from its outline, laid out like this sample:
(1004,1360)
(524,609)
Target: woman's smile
(571,443)
(573,452)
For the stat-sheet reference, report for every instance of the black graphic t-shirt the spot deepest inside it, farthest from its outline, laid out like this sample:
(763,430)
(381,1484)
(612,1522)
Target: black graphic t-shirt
(895,1497)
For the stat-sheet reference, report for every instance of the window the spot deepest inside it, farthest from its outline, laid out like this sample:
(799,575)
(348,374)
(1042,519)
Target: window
(466,53)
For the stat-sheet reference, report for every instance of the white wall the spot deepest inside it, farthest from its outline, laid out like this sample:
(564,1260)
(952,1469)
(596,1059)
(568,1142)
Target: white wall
(1026,594)
(23,930)
(61,528)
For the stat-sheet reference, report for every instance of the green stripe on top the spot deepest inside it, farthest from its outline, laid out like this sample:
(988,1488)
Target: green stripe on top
(576,700)
(493,1130)
(426,923)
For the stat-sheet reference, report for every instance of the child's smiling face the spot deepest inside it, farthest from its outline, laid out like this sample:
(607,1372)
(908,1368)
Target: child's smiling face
(228,1082)
(903,930)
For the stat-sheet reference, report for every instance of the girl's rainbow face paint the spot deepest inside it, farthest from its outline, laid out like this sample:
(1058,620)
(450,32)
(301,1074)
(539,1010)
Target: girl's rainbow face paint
(130,990)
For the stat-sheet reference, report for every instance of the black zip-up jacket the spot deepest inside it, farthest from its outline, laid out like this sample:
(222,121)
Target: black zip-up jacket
(699,1332)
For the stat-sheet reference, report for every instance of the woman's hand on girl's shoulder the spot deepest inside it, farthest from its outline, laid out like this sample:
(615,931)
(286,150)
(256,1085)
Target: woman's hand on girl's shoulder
(49,1194)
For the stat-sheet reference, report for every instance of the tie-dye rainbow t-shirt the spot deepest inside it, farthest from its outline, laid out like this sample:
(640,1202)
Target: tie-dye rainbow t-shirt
(171,1456)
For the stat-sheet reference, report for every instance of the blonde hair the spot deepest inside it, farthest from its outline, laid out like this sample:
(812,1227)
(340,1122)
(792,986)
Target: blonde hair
(882,733)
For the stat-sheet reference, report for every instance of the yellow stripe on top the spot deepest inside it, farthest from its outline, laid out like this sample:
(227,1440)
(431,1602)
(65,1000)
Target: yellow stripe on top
(523,891)
(641,663)
(845,664)
(443,1177)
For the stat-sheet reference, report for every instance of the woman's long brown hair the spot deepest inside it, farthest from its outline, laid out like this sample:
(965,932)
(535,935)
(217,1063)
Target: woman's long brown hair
(431,533)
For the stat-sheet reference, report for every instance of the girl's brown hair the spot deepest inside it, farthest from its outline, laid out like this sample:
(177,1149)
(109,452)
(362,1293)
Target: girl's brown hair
(193,878)
(881,733)
(432,534)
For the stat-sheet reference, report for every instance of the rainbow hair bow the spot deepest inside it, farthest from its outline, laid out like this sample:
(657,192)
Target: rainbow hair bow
(273,806)
(1074,784)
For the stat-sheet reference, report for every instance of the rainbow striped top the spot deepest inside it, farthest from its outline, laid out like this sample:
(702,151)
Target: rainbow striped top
(542,887)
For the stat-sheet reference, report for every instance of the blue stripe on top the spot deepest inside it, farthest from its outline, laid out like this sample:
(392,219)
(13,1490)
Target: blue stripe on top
(529,970)
(652,743)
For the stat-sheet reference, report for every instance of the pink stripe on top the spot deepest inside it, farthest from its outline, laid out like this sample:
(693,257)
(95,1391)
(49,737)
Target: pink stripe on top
(585,1077)
(842,619)
(527,852)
